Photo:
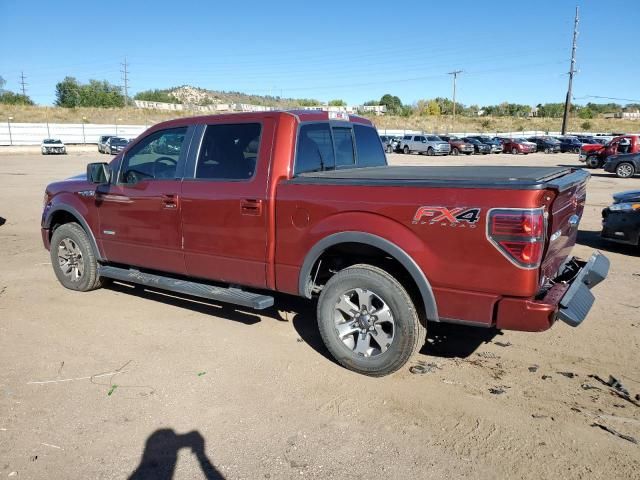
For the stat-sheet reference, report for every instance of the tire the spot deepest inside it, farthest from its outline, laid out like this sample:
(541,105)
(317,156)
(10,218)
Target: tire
(546,150)
(406,150)
(455,151)
(593,162)
(430,152)
(389,149)
(380,290)
(70,243)
(514,151)
(625,170)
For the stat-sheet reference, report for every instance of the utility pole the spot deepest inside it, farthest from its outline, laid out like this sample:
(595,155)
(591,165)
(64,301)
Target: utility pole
(572,71)
(455,77)
(23,84)
(125,81)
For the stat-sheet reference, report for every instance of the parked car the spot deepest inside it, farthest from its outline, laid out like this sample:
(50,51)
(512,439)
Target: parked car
(52,145)
(115,145)
(594,156)
(625,165)
(516,145)
(478,146)
(458,145)
(429,144)
(570,144)
(230,222)
(546,144)
(390,144)
(102,142)
(587,140)
(496,145)
(621,220)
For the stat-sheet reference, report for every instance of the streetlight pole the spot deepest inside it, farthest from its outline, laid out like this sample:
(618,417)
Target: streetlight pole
(9,125)
(455,77)
(572,71)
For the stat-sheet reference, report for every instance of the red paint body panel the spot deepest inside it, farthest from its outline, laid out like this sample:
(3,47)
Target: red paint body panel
(604,151)
(211,234)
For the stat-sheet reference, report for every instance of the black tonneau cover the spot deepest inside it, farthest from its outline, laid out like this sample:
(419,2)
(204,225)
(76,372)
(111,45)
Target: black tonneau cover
(503,177)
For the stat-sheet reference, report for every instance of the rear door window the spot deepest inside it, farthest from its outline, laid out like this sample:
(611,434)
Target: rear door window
(229,152)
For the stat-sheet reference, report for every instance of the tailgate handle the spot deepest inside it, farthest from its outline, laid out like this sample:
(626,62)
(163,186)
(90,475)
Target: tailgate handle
(251,206)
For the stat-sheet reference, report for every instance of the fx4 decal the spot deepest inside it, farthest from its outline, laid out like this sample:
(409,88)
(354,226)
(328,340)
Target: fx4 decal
(453,217)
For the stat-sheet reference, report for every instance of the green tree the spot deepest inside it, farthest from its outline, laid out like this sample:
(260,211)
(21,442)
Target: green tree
(308,102)
(337,103)
(156,96)
(552,110)
(70,93)
(393,104)
(11,98)
(585,112)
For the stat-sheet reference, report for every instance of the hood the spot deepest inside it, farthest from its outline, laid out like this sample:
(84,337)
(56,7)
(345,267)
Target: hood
(592,147)
(78,177)
(628,196)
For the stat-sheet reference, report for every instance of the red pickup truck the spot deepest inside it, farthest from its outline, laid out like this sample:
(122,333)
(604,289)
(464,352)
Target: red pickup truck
(595,155)
(232,207)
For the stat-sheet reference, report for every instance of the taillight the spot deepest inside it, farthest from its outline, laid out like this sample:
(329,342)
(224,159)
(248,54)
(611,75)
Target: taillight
(518,234)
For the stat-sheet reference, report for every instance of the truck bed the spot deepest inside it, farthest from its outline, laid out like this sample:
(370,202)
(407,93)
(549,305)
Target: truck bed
(502,177)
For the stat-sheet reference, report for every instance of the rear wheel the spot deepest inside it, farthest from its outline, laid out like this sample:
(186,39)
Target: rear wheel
(625,170)
(514,151)
(368,321)
(73,259)
(406,150)
(546,150)
(455,151)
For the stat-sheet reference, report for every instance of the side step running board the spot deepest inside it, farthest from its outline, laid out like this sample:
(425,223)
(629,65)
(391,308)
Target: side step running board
(227,295)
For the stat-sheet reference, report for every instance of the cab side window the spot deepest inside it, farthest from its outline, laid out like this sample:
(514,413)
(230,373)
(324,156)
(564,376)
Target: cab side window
(155,157)
(229,152)
(315,149)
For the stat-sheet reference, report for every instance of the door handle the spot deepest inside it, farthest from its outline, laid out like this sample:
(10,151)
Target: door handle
(251,206)
(170,201)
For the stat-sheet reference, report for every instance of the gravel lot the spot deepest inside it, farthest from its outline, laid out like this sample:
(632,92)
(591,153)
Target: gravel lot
(97,385)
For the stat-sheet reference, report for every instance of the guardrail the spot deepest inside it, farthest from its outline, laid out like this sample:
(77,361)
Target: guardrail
(70,133)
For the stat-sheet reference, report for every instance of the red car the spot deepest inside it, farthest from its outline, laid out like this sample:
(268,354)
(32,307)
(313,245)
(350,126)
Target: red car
(595,155)
(231,207)
(516,145)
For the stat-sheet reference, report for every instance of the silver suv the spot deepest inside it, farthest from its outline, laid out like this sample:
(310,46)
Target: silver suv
(429,144)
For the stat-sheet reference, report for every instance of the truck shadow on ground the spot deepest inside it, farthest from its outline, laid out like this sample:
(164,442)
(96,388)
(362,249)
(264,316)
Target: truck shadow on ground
(590,238)
(2,221)
(160,456)
(443,340)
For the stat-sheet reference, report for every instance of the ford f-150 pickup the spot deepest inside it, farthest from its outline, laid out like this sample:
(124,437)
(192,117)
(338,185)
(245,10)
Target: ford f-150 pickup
(595,155)
(233,207)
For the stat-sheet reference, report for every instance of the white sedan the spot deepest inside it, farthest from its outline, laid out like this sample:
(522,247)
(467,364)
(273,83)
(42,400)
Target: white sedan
(52,145)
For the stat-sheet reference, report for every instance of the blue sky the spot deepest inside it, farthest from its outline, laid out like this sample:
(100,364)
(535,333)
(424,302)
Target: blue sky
(354,50)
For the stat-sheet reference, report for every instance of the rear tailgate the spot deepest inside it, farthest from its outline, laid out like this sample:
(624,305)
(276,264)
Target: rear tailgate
(568,194)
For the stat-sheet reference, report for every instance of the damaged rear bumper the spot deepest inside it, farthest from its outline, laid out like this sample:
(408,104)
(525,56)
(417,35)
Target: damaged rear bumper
(569,299)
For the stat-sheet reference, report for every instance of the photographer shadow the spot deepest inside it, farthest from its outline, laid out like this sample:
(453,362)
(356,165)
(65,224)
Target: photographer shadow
(160,456)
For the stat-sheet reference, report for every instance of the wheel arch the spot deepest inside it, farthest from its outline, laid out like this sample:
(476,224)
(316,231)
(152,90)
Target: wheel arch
(61,214)
(305,281)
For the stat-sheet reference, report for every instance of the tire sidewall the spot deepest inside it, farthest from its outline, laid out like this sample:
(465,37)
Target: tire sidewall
(402,310)
(79,237)
(625,176)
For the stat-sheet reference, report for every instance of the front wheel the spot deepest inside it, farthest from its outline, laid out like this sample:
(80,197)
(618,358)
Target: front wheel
(514,151)
(368,321)
(389,149)
(73,259)
(455,151)
(406,150)
(430,152)
(625,170)
(593,162)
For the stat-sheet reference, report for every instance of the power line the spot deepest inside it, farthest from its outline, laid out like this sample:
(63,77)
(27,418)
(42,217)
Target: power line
(608,98)
(125,80)
(23,84)
(572,71)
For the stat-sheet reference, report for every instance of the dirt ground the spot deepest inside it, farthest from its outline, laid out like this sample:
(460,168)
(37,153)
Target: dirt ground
(124,381)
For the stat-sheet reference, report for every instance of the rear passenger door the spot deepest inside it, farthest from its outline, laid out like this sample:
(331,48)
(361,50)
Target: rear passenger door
(225,204)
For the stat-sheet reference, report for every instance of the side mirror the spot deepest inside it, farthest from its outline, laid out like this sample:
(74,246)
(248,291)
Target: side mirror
(98,173)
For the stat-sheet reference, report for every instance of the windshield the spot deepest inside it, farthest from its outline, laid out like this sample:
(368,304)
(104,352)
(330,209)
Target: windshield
(118,141)
(51,140)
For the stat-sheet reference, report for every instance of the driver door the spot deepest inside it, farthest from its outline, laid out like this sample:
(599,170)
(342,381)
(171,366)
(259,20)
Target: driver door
(139,211)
